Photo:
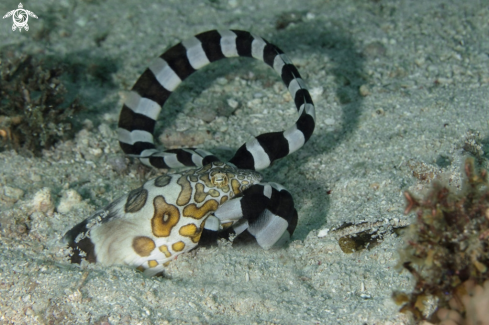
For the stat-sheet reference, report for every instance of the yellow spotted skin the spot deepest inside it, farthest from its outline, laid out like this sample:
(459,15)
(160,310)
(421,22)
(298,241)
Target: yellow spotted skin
(165,217)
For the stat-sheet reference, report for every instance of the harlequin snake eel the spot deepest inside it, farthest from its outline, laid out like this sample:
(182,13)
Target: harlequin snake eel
(173,213)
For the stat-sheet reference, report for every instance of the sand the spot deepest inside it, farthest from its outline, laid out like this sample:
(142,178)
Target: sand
(401,91)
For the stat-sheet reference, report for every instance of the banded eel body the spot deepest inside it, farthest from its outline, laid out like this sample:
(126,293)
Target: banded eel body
(153,224)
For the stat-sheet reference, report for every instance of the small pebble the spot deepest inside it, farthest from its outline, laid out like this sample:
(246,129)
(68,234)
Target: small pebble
(329,121)
(316,93)
(310,16)
(223,128)
(323,232)
(118,163)
(81,21)
(95,152)
(69,199)
(43,202)
(232,103)
(278,87)
(374,50)
(105,130)
(12,194)
(35,177)
(87,124)
(419,61)
(364,91)
(222,81)
(254,102)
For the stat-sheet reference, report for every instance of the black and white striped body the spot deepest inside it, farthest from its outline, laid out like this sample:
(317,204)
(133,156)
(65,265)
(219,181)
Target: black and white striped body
(263,211)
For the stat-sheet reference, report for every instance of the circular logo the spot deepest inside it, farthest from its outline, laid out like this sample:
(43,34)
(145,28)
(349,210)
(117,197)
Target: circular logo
(20,18)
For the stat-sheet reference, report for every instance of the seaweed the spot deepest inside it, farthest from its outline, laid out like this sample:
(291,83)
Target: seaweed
(447,246)
(34,113)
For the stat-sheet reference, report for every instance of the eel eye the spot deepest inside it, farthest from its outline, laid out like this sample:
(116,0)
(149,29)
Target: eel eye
(220,179)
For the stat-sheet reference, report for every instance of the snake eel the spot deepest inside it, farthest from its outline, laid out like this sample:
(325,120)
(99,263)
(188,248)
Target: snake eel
(173,213)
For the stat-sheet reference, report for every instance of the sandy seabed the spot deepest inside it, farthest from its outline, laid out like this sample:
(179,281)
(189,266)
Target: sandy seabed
(401,91)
